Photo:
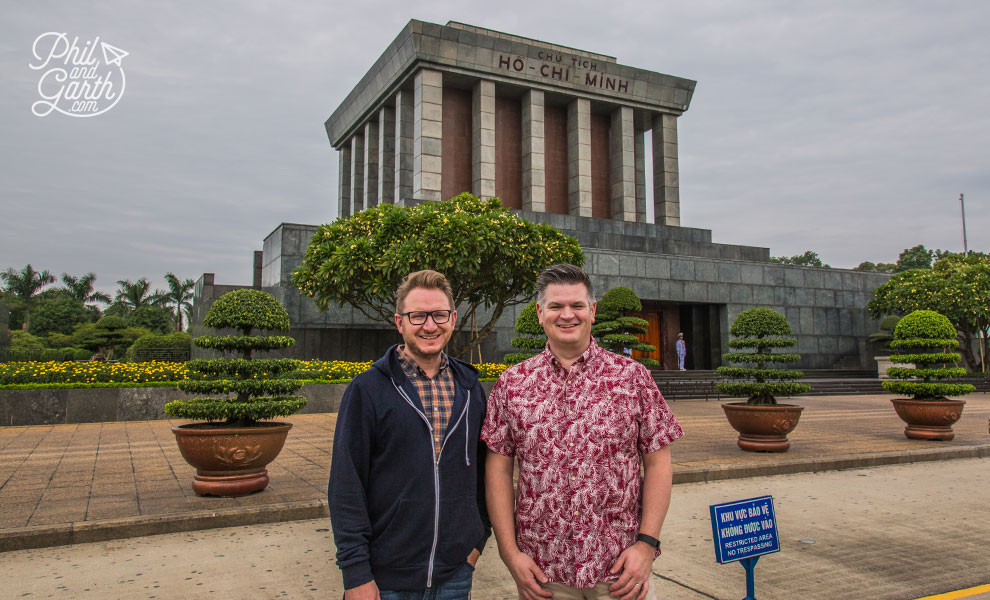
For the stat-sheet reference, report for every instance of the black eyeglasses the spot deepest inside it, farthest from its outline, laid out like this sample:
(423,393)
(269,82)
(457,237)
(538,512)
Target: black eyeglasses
(418,317)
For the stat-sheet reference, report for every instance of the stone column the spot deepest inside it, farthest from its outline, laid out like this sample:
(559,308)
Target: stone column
(534,175)
(579,157)
(640,139)
(344,182)
(483,139)
(403,146)
(371,163)
(386,155)
(622,160)
(666,197)
(427,134)
(357,173)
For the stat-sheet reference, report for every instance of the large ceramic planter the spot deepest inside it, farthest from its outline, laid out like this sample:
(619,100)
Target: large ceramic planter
(928,419)
(763,428)
(230,461)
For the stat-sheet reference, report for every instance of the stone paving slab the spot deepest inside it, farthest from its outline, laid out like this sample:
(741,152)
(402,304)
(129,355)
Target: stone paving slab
(64,484)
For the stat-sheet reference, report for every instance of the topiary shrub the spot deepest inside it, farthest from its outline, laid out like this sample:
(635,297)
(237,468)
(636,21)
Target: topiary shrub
(616,329)
(173,347)
(761,329)
(534,339)
(257,393)
(886,333)
(924,338)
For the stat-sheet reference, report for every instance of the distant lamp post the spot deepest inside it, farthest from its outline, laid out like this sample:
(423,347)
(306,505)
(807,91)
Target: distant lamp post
(962,205)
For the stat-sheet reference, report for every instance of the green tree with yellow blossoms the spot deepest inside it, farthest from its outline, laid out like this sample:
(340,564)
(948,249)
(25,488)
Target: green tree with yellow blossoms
(956,286)
(490,256)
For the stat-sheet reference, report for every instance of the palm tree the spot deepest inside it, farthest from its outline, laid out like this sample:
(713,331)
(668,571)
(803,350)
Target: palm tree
(82,288)
(134,295)
(179,296)
(25,285)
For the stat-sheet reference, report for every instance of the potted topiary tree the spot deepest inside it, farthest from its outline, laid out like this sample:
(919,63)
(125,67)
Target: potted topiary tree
(924,338)
(232,449)
(533,338)
(616,328)
(762,423)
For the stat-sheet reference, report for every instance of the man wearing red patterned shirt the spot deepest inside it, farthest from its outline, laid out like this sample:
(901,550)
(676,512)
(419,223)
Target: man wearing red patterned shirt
(580,420)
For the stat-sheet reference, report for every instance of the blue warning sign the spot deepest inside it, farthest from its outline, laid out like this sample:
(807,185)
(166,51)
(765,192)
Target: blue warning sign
(744,528)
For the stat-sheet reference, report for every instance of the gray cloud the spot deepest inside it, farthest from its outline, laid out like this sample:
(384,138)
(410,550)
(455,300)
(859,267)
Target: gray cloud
(845,127)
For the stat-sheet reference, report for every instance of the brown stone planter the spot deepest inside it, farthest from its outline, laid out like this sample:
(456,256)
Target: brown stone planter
(763,428)
(928,419)
(230,461)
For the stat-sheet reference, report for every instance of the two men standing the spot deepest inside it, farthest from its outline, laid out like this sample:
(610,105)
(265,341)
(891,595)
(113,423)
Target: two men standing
(407,502)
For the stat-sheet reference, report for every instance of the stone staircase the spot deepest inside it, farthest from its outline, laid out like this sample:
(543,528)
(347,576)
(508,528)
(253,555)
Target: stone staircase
(682,385)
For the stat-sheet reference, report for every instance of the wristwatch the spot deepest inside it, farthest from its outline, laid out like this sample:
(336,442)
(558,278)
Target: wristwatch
(649,539)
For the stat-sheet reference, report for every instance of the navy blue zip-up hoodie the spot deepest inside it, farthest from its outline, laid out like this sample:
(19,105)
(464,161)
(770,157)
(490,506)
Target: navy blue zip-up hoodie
(398,517)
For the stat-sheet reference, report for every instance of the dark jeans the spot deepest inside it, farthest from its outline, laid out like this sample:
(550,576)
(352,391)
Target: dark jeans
(457,587)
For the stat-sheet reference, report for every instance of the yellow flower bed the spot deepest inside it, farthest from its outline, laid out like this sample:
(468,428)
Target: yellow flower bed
(144,372)
(330,369)
(339,369)
(91,372)
(490,370)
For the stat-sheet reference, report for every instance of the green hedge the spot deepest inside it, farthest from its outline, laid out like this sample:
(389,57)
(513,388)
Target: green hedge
(79,386)
(48,354)
(151,346)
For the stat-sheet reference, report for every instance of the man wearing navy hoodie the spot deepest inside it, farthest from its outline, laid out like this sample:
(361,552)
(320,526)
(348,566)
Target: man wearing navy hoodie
(406,499)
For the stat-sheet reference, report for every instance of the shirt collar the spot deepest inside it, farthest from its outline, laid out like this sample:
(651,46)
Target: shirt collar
(411,369)
(588,355)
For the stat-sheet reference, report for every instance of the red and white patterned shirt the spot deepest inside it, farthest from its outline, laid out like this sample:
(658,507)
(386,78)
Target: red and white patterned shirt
(578,436)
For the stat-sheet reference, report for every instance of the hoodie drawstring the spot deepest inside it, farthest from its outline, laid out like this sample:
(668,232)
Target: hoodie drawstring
(467,421)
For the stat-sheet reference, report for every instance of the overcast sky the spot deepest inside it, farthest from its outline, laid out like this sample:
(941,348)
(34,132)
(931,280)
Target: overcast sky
(845,127)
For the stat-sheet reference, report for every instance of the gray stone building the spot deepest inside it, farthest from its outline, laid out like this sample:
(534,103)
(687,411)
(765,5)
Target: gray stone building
(561,136)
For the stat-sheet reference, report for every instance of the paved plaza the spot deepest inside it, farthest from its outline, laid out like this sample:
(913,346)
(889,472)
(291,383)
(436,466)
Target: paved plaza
(65,484)
(852,534)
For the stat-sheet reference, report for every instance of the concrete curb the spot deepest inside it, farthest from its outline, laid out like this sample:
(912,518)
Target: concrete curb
(816,465)
(43,536)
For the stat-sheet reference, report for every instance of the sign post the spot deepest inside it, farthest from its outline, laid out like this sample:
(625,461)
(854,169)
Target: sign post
(743,531)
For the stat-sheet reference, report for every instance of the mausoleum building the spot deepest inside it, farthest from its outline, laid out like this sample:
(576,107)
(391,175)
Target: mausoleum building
(566,137)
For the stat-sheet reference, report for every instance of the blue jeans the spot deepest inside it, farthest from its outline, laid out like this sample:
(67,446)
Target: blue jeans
(458,587)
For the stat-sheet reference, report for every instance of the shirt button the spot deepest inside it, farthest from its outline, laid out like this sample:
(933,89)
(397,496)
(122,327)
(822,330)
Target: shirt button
(571,444)
(576,513)
(570,412)
(573,478)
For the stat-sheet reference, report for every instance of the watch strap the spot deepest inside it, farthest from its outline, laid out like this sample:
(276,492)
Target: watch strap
(649,539)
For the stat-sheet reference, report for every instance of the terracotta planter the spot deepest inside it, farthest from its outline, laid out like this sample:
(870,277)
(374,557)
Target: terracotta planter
(230,461)
(763,428)
(928,419)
